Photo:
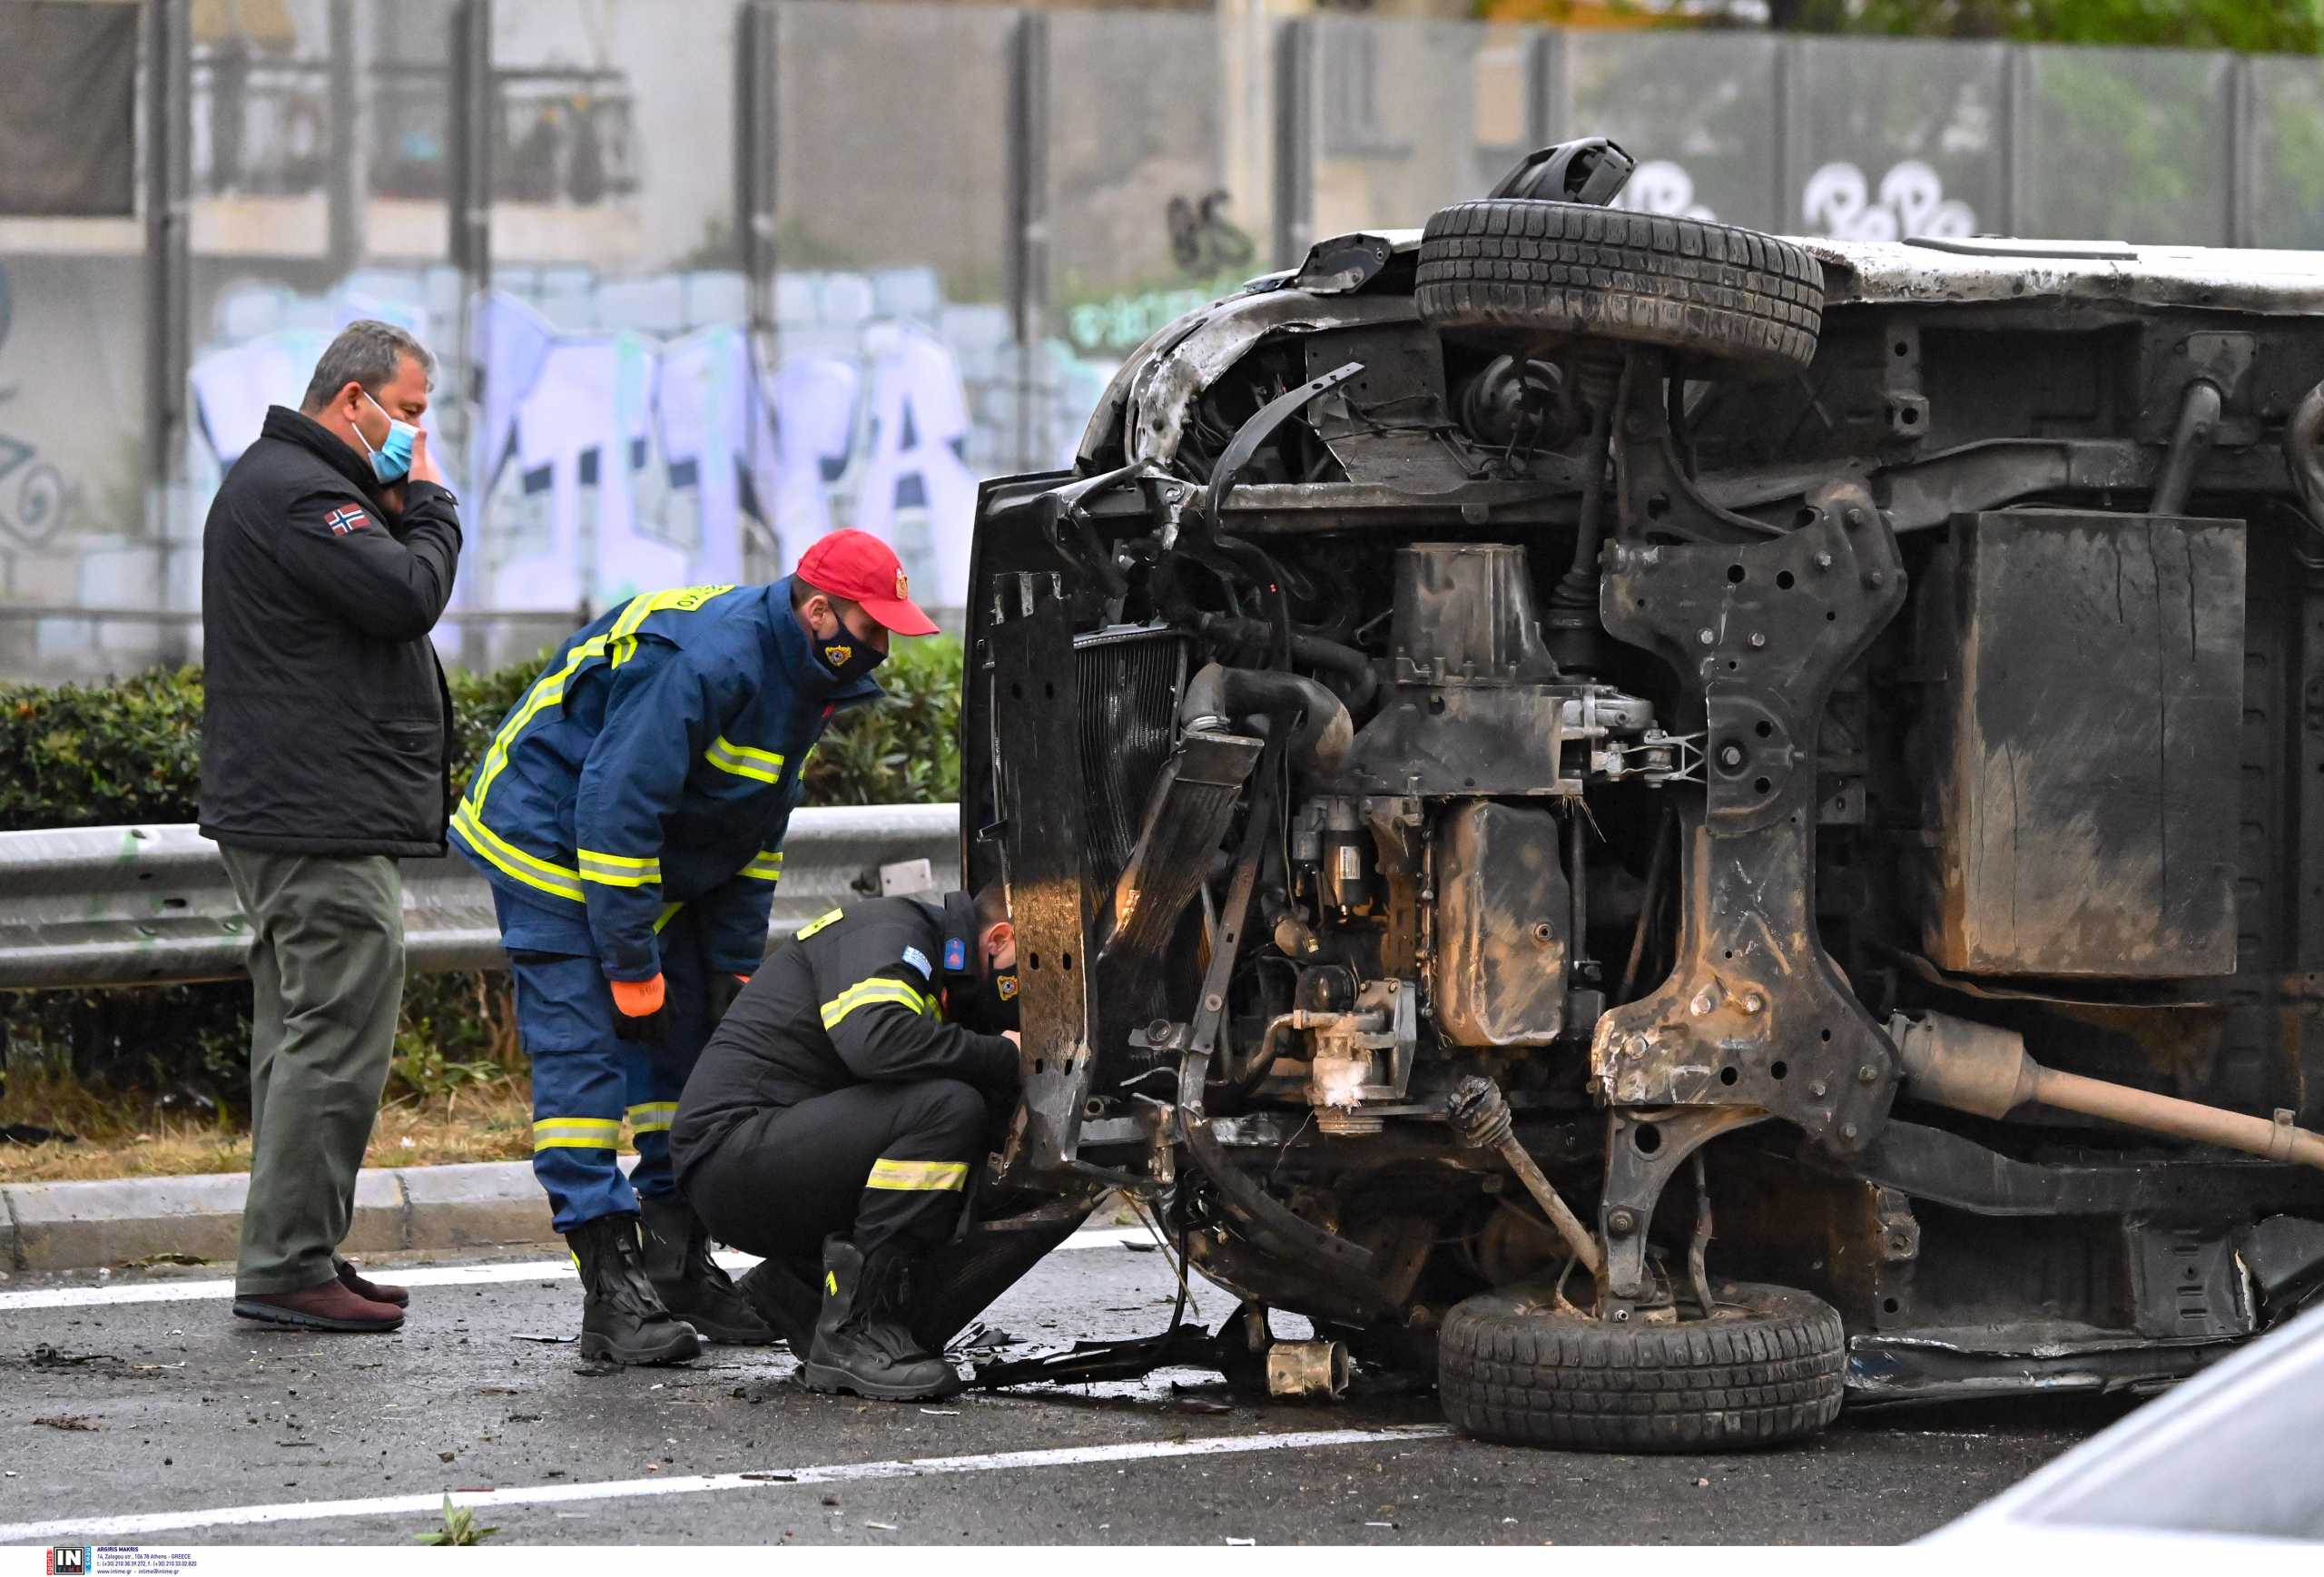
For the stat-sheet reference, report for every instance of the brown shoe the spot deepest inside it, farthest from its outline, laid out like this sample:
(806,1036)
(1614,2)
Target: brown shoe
(328,1306)
(377,1291)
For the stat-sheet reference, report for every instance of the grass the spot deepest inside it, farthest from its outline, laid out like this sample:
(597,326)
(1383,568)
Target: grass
(488,1119)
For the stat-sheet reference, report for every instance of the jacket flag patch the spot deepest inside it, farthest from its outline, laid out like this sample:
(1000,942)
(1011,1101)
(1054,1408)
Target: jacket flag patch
(343,521)
(917,960)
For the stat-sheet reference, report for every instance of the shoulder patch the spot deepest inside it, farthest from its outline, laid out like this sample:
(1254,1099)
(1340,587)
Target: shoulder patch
(345,520)
(919,960)
(956,954)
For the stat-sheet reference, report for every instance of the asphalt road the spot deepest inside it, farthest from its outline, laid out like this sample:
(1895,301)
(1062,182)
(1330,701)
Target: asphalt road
(210,1430)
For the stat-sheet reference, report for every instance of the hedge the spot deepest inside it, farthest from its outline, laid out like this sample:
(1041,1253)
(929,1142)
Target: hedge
(92,756)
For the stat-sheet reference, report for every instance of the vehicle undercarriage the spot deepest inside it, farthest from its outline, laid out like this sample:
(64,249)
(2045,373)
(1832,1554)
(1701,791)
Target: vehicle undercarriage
(1659,822)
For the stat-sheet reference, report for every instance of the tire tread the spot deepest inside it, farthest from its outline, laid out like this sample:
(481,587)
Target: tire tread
(1510,1370)
(1515,264)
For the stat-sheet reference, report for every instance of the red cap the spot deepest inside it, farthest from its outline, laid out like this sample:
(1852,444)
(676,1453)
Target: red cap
(863,570)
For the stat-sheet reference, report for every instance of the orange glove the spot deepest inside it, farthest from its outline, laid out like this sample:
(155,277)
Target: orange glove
(637,1007)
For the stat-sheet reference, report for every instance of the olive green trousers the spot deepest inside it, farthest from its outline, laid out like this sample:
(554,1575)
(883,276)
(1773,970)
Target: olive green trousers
(327,966)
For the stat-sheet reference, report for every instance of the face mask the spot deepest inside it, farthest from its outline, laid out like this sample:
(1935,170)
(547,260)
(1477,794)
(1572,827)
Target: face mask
(841,656)
(985,1003)
(391,461)
(976,995)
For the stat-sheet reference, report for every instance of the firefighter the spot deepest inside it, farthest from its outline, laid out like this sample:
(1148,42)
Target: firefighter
(629,814)
(833,1122)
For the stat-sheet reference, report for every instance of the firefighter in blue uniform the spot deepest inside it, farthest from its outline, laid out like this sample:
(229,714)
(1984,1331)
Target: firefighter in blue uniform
(629,814)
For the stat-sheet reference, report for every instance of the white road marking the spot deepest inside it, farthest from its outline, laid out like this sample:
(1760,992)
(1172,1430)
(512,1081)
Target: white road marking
(776,1478)
(431,1276)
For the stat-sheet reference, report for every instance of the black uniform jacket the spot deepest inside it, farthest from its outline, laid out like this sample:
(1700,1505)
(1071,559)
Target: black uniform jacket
(327,727)
(854,998)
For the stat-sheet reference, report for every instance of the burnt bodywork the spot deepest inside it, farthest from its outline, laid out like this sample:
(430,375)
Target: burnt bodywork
(1977,671)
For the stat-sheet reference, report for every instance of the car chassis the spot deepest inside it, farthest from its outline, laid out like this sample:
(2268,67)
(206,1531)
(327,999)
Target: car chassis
(1573,700)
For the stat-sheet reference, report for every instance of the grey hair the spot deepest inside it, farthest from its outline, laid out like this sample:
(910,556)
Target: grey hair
(367,353)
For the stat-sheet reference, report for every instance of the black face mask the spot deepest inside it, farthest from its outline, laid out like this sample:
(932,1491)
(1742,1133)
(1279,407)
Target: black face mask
(987,1004)
(841,657)
(976,997)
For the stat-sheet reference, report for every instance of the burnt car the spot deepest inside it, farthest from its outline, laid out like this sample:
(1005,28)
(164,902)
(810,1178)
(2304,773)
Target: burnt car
(1675,827)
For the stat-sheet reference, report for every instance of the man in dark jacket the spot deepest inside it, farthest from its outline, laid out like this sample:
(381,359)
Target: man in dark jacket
(834,1120)
(325,756)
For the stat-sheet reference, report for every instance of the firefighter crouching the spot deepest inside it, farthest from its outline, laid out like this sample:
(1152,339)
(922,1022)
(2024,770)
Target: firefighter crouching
(834,1123)
(630,816)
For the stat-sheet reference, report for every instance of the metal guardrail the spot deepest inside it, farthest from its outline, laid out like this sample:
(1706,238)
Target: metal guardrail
(150,905)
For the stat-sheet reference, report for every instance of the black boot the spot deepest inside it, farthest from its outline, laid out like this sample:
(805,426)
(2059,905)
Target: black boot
(622,1320)
(688,1281)
(785,1291)
(861,1342)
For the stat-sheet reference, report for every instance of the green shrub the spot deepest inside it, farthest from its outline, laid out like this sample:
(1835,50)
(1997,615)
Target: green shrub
(78,756)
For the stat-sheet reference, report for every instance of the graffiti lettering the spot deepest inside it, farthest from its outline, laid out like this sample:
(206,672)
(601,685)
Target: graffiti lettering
(1117,325)
(1203,240)
(1838,201)
(32,495)
(612,449)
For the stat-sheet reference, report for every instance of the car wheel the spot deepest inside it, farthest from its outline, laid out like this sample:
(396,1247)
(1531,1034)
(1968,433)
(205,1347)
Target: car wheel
(1771,1367)
(1532,269)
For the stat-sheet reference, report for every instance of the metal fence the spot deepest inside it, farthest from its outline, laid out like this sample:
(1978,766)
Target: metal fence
(138,906)
(709,277)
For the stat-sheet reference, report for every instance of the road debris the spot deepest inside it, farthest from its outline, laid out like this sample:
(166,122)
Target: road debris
(72,1421)
(884,1527)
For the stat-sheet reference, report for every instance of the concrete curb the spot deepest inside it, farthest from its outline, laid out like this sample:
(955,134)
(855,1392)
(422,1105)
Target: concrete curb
(118,1222)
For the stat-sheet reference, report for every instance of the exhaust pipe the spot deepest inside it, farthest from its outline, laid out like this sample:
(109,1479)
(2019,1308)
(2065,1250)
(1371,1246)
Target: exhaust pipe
(1315,1370)
(1985,1070)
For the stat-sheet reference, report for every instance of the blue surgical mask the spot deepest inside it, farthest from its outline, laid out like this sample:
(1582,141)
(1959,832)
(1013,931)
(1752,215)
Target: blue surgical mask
(392,459)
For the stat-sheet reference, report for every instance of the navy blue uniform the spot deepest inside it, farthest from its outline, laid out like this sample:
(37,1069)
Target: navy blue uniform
(630,814)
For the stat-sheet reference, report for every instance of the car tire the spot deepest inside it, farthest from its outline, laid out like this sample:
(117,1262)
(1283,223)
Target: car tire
(1751,304)
(1513,1366)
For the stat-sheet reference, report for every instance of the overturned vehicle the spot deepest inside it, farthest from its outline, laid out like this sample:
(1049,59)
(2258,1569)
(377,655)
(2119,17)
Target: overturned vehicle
(1675,827)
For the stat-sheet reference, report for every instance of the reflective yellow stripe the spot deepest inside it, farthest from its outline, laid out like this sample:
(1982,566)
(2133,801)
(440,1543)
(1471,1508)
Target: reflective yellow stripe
(618,870)
(685,598)
(766,865)
(864,993)
(576,1133)
(763,765)
(546,691)
(669,912)
(919,1176)
(532,871)
(620,861)
(549,689)
(817,924)
(654,1117)
(831,1284)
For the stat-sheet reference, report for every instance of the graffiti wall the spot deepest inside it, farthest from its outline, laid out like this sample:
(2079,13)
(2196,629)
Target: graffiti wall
(625,434)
